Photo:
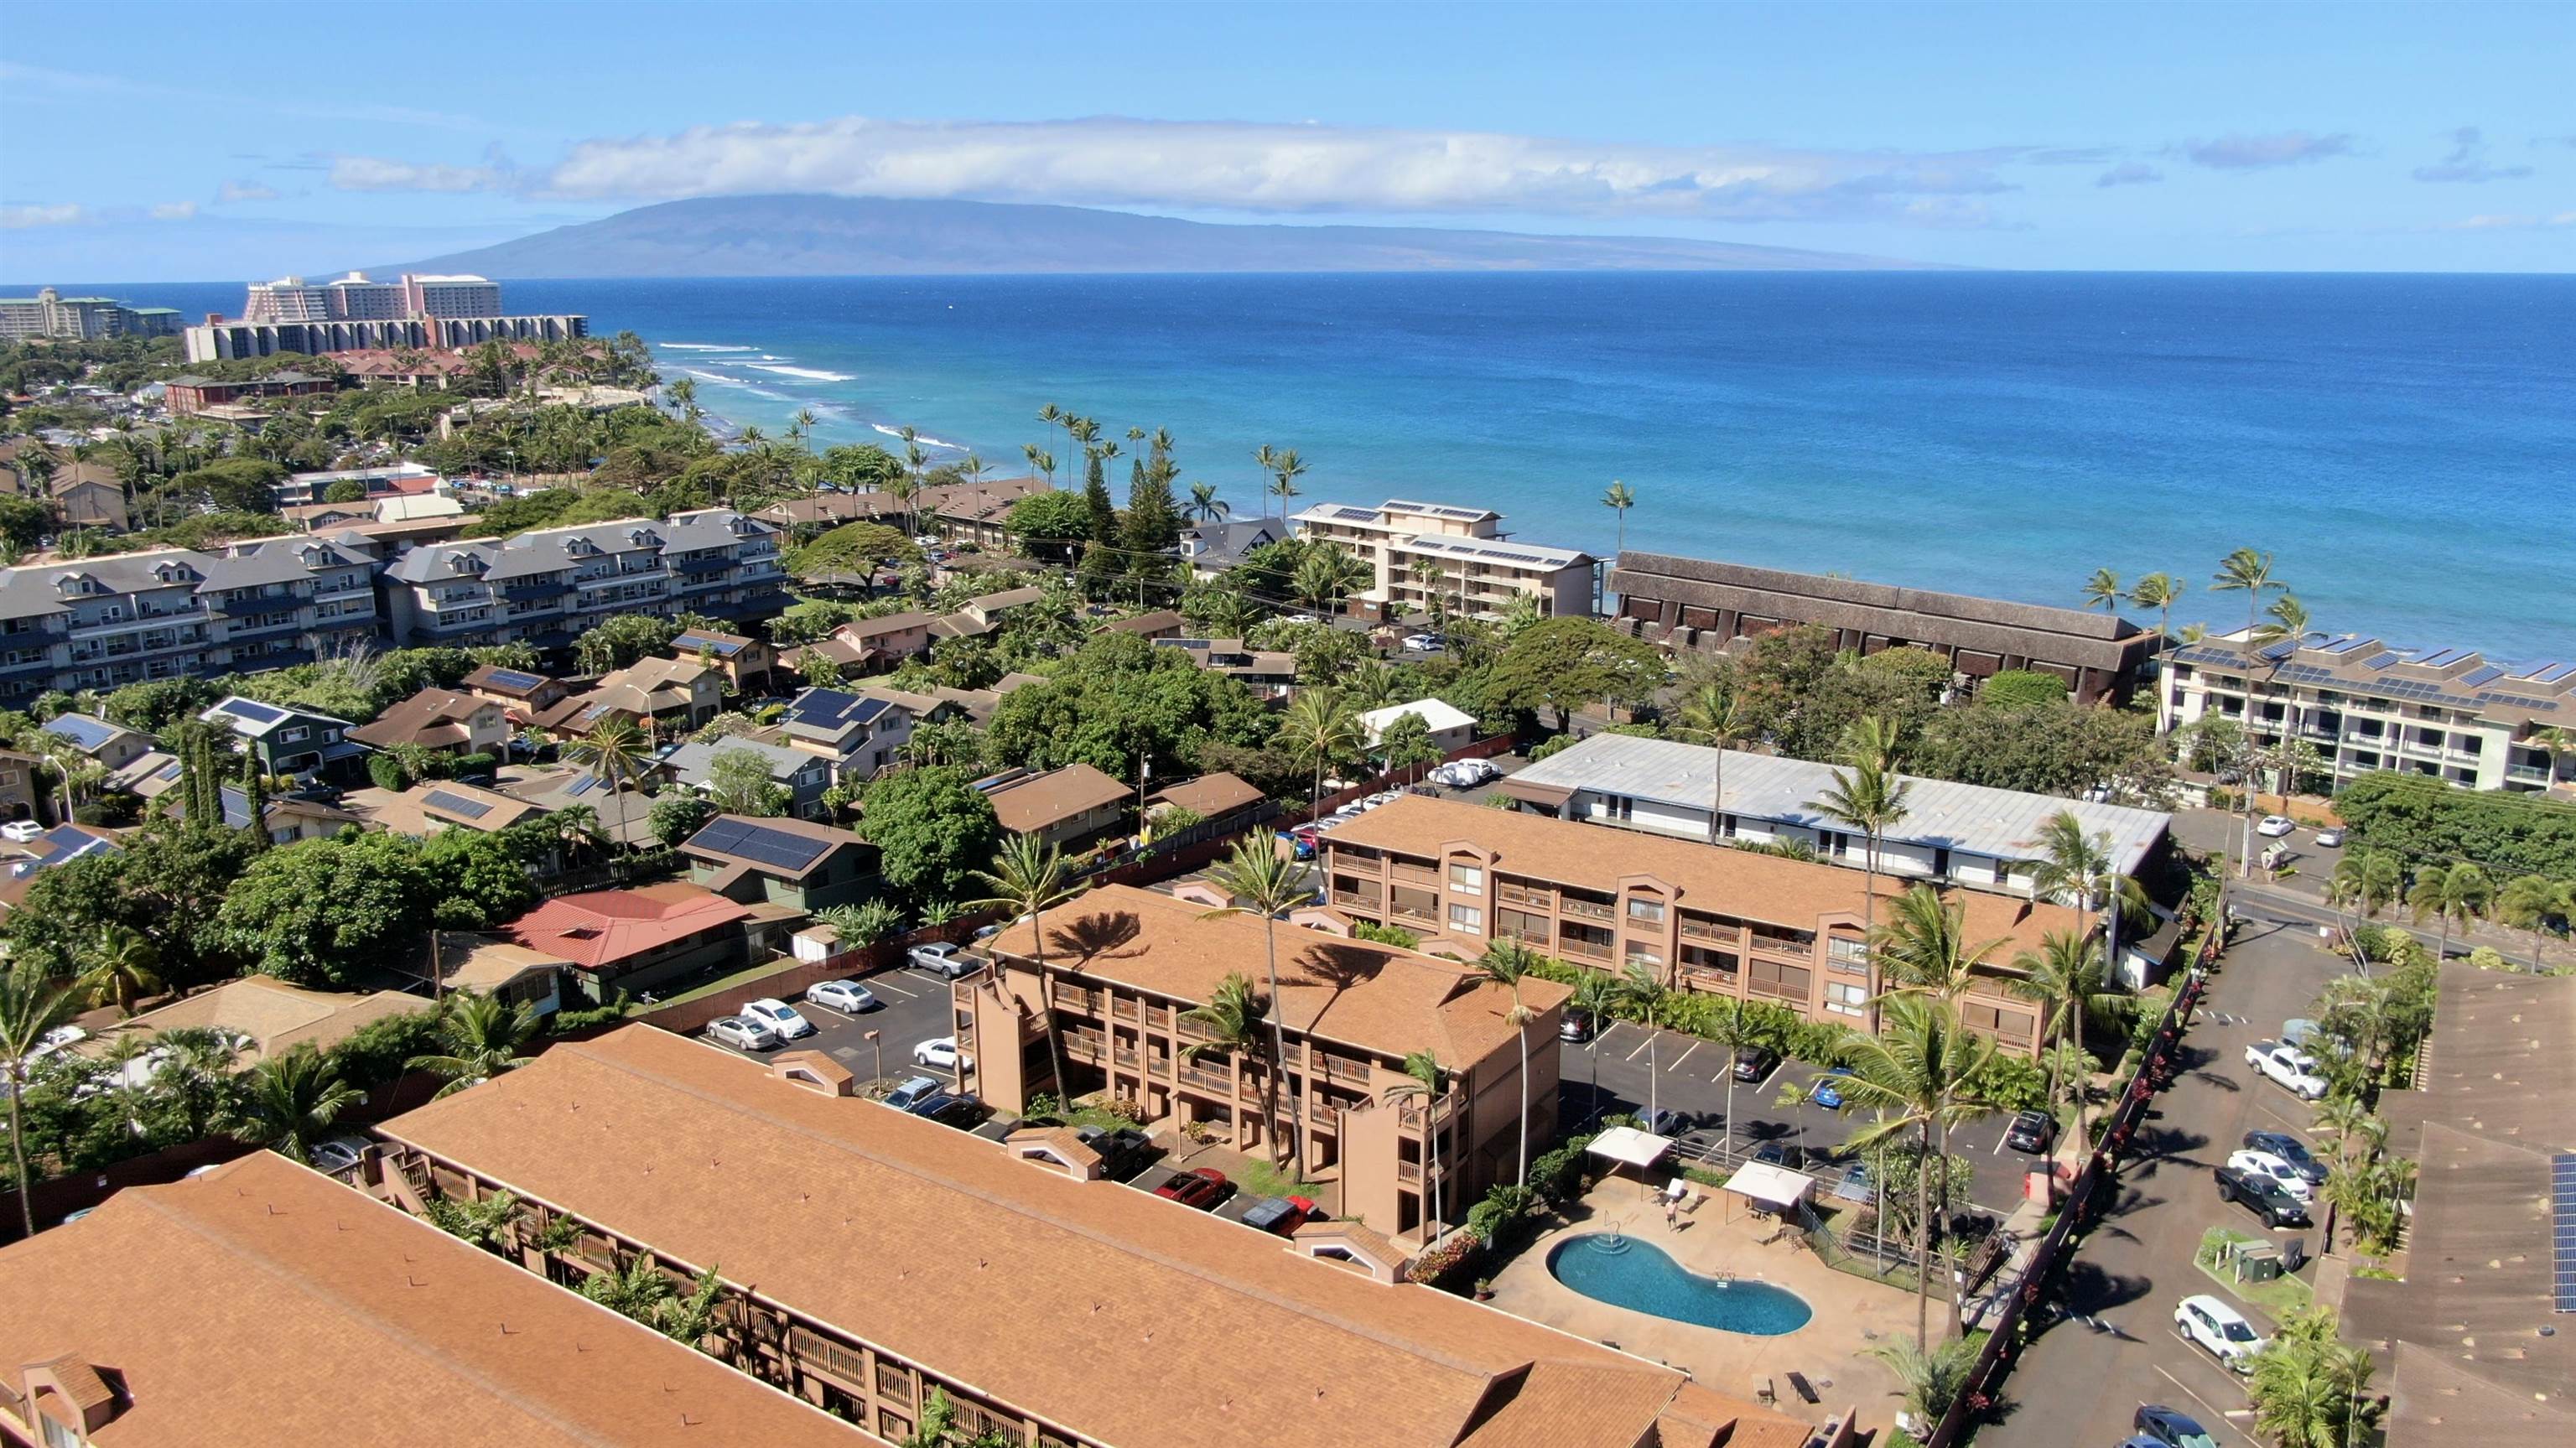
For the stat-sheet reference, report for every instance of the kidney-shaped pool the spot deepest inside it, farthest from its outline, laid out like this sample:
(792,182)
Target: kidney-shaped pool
(1625,1272)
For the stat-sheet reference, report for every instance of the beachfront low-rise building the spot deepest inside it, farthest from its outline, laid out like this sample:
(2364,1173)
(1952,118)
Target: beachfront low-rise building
(1421,552)
(2362,705)
(1737,923)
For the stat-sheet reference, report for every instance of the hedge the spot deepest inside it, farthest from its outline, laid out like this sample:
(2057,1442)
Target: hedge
(2424,821)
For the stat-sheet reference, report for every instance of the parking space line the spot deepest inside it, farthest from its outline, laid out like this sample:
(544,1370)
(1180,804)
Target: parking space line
(1641,1045)
(1686,1055)
(2215,1411)
(887,983)
(820,1009)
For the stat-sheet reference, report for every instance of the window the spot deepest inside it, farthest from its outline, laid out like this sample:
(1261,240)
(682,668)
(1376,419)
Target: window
(1648,910)
(1848,953)
(1467,879)
(1640,953)
(296,735)
(1466,917)
(1846,1000)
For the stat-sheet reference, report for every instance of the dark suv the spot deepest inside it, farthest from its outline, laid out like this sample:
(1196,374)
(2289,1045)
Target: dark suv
(2290,1149)
(1123,1152)
(2262,1196)
(1752,1063)
(2033,1133)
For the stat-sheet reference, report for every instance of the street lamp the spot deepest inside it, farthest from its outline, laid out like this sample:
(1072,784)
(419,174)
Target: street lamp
(876,1043)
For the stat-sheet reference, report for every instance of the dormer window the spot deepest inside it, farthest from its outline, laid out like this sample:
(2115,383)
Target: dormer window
(642,537)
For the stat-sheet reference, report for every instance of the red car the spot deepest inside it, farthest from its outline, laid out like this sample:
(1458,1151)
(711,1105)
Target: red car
(1198,1187)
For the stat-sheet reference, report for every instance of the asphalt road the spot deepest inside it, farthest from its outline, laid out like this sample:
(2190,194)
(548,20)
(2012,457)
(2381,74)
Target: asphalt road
(2079,1383)
(914,1008)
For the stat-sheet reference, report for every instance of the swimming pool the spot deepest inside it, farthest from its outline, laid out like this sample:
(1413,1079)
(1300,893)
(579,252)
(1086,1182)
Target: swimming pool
(1625,1272)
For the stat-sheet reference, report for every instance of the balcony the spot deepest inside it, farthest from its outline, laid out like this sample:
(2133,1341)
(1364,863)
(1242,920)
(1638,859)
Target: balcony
(1158,1017)
(1213,1082)
(1357,899)
(1522,895)
(1408,1172)
(1587,909)
(2522,773)
(223,607)
(697,565)
(1708,931)
(1577,948)
(1347,1073)
(533,592)
(1415,874)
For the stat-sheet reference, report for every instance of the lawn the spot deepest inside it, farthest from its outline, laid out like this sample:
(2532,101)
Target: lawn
(2278,1297)
(728,982)
(1266,1180)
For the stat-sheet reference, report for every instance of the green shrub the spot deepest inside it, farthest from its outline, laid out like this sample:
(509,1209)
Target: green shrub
(2022,688)
(1387,935)
(1502,1216)
(387,772)
(1557,1175)
(2423,820)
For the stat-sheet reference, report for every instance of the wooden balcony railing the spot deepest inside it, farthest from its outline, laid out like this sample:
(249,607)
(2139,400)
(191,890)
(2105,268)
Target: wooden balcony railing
(1416,874)
(1582,949)
(1511,894)
(1360,899)
(1408,1171)
(1349,1073)
(1709,931)
(1159,1017)
(1215,1081)
(1588,909)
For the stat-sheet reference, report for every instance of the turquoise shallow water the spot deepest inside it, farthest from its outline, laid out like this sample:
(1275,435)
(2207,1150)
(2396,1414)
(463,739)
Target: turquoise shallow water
(2405,444)
(1626,1272)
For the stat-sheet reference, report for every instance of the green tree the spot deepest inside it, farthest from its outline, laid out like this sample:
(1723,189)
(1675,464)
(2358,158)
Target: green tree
(291,1101)
(738,782)
(1327,576)
(1406,741)
(858,548)
(483,1036)
(318,911)
(2159,591)
(2248,572)
(1319,729)
(1714,713)
(615,752)
(1429,1084)
(2102,590)
(1870,799)
(1204,505)
(30,1006)
(1504,963)
(1642,987)
(2022,689)
(2530,902)
(1619,499)
(2078,869)
(933,830)
(1261,881)
(678,815)
(235,485)
(621,641)
(1027,880)
(1916,1074)
(1928,1382)
(1598,996)
(1561,664)
(1049,524)
(2067,978)
(2364,880)
(347,490)
(1230,1023)
(2310,1394)
(123,965)
(2457,893)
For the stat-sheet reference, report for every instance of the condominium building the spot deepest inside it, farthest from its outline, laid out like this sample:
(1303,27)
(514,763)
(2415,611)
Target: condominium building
(219,340)
(81,319)
(868,1257)
(1697,603)
(2363,705)
(102,623)
(354,298)
(1950,834)
(264,1302)
(1417,552)
(548,587)
(393,480)
(189,396)
(1709,918)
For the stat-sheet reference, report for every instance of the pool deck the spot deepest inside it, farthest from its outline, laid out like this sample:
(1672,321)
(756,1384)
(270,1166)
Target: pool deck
(1851,1313)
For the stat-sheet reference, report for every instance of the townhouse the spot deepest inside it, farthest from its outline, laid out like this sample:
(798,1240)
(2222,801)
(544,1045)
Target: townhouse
(659,694)
(1419,552)
(550,586)
(747,662)
(861,731)
(1730,922)
(802,775)
(444,721)
(795,863)
(1069,808)
(287,740)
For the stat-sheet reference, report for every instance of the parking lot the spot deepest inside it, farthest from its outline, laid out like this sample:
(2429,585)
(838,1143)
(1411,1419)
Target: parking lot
(912,1008)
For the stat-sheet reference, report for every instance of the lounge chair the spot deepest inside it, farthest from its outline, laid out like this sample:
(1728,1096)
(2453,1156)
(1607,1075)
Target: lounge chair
(1769,1395)
(1678,1189)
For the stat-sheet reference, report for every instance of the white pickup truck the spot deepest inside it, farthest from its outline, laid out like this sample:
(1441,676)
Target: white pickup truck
(2294,1069)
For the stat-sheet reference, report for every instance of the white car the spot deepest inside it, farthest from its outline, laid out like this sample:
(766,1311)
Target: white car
(2265,1164)
(2274,826)
(780,1017)
(1303,618)
(24,832)
(338,1154)
(1423,643)
(742,1033)
(2219,1330)
(944,958)
(941,1053)
(2293,1068)
(2329,837)
(846,996)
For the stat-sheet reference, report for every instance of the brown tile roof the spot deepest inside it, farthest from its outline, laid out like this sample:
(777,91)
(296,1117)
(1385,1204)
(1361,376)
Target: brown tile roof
(1048,799)
(432,717)
(274,1016)
(1055,1296)
(860,630)
(1375,997)
(267,1303)
(1720,879)
(414,811)
(1159,621)
(1209,795)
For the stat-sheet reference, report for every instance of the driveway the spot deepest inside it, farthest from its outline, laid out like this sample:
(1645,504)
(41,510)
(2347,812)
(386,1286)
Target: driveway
(913,1007)
(2083,1378)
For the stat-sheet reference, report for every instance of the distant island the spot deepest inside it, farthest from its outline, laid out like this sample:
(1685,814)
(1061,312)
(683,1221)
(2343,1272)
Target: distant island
(778,236)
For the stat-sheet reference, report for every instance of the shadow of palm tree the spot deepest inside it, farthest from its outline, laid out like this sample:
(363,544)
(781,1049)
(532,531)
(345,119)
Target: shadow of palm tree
(1094,935)
(1336,965)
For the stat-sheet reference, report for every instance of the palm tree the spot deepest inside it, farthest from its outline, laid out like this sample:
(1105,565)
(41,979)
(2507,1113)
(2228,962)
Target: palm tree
(292,1101)
(1028,880)
(1871,800)
(124,967)
(1429,1084)
(2460,892)
(2159,591)
(1231,1020)
(2067,978)
(2308,1394)
(804,429)
(1320,728)
(2102,590)
(2285,621)
(2248,572)
(1924,950)
(1929,1382)
(636,1290)
(1730,1029)
(2078,868)
(1504,963)
(615,752)
(1040,461)
(1327,575)
(1285,469)
(483,1037)
(1643,988)
(2345,1121)
(1915,1074)
(1054,417)
(1715,715)
(1619,499)
(1204,505)
(1262,881)
(2528,901)
(29,1008)
(2365,880)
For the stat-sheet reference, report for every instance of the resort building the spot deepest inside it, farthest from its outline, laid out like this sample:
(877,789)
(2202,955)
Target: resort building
(1070,807)
(1417,552)
(2363,705)
(354,298)
(232,398)
(219,340)
(1707,918)
(550,586)
(1952,834)
(1696,603)
(893,1256)
(81,319)
(267,1303)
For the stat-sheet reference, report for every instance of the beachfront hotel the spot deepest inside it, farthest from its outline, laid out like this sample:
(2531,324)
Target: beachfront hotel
(867,1257)
(2446,714)
(1710,918)
(1473,568)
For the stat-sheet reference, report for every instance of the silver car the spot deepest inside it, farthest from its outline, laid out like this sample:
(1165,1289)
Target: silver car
(946,959)
(846,996)
(742,1033)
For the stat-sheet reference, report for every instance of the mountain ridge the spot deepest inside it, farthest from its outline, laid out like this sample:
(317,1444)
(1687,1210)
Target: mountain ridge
(807,235)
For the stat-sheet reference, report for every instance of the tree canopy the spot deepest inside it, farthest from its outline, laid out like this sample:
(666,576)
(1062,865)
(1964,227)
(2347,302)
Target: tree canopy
(1561,664)
(1118,699)
(932,830)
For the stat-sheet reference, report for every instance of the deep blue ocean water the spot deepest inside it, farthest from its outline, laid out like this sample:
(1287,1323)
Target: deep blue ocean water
(2406,445)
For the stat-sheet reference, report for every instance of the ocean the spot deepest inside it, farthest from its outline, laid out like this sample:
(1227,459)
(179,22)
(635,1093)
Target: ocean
(2405,445)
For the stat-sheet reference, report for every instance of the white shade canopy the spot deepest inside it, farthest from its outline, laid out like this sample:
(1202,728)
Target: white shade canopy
(1628,1146)
(1773,1186)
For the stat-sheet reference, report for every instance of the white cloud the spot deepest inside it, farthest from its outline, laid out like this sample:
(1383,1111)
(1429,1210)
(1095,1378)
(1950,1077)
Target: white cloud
(2255,153)
(22,218)
(2467,161)
(233,193)
(2495,221)
(2129,173)
(1235,166)
(175,211)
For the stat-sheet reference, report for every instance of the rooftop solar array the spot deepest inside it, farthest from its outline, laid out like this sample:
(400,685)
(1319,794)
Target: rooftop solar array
(2562,1196)
(80,729)
(833,709)
(2442,658)
(251,709)
(583,785)
(722,648)
(453,803)
(751,840)
(516,679)
(2550,673)
(2342,646)
(2475,677)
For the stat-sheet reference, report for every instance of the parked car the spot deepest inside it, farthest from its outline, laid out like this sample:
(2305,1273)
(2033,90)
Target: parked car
(2219,1330)
(943,957)
(951,1108)
(1752,1063)
(338,1154)
(2330,837)
(2290,1149)
(1771,1153)
(23,832)
(2272,1168)
(1201,1187)
(1577,1027)
(781,1017)
(1464,773)
(1828,1090)
(1123,1152)
(742,1033)
(912,1091)
(846,996)
(1666,1122)
(2275,826)
(2293,1068)
(2298,1031)
(1855,1185)
(2171,1428)
(1300,843)
(1283,1215)
(941,1053)
(2260,1195)
(1303,618)
(1423,643)
(2032,1133)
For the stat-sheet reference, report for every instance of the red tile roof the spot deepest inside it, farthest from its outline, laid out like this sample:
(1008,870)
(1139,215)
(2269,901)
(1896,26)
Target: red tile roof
(599,928)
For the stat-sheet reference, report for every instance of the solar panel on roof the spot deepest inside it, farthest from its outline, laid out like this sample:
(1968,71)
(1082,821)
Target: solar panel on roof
(583,785)
(2479,676)
(252,710)
(2381,661)
(753,841)
(2550,673)
(453,803)
(516,679)
(2341,646)
(2562,1190)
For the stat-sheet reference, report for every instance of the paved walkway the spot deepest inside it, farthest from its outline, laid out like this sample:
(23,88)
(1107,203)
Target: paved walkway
(1851,1313)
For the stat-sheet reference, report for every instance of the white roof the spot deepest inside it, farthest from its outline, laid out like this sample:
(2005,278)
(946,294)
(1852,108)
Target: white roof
(1629,1146)
(1439,714)
(1773,1185)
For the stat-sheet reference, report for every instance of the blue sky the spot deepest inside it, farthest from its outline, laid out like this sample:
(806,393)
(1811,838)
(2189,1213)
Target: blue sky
(179,142)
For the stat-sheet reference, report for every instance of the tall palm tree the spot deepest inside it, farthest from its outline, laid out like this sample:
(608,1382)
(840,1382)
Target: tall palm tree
(2459,892)
(1285,469)
(1320,728)
(1028,880)
(1040,460)
(1429,1085)
(2067,978)
(292,1101)
(1262,881)
(2364,880)
(1054,417)
(1598,995)
(1231,1021)
(482,1038)
(1871,800)
(1643,988)
(2308,1394)
(2102,590)
(1326,576)
(616,753)
(2078,869)
(2248,572)
(2286,621)
(805,421)
(2159,591)
(1916,1075)
(1204,505)
(30,1006)
(1619,499)
(1929,1381)
(124,966)
(1924,949)
(1716,715)
(1504,963)
(2527,902)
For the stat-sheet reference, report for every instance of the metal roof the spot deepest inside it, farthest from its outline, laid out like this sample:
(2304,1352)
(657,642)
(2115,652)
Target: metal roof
(2001,823)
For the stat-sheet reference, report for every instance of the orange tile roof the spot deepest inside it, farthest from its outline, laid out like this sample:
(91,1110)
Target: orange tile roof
(1052,798)
(1054,1296)
(267,1303)
(599,928)
(1715,878)
(1337,988)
